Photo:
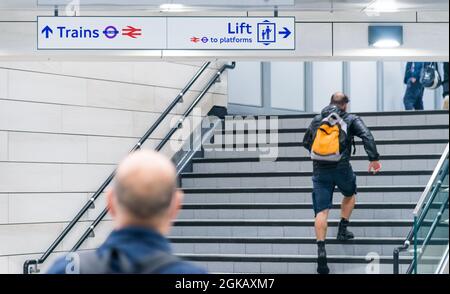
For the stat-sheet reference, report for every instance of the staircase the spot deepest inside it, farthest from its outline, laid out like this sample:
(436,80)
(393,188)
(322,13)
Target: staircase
(244,214)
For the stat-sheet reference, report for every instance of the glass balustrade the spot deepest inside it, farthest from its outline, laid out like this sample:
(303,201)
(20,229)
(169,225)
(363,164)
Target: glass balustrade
(431,222)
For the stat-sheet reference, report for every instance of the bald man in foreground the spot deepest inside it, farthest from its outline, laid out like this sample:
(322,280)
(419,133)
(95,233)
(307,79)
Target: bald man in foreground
(143,203)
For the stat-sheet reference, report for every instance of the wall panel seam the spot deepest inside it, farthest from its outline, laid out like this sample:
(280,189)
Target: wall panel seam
(93,107)
(94,79)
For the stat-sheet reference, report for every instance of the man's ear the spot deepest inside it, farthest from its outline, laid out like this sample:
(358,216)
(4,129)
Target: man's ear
(177,203)
(111,203)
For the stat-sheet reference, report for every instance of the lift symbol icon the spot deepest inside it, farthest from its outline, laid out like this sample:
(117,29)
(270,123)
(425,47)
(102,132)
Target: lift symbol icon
(267,32)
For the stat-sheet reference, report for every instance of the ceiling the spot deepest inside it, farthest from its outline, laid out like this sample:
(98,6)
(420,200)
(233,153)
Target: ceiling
(208,5)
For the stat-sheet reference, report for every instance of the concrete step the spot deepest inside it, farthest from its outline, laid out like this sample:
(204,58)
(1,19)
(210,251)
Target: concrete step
(230,196)
(393,162)
(294,249)
(294,264)
(375,119)
(249,129)
(299,189)
(291,211)
(287,179)
(296,268)
(284,246)
(295,149)
(385,228)
(296,135)
(267,245)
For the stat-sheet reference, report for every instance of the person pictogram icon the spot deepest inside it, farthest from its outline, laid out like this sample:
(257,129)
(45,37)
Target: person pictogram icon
(266,34)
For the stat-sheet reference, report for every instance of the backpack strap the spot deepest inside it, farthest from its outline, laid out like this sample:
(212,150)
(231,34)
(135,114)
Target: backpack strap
(351,118)
(154,263)
(354,145)
(91,263)
(335,119)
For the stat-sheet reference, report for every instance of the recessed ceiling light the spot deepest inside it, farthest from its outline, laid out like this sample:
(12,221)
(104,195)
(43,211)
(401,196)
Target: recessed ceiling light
(385,36)
(168,7)
(383,6)
(387,44)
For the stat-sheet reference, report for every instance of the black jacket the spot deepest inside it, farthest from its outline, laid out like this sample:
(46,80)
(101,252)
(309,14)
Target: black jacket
(356,127)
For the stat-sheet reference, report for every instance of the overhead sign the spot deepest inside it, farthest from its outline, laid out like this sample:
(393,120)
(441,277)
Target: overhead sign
(119,33)
(166,33)
(225,33)
(225,3)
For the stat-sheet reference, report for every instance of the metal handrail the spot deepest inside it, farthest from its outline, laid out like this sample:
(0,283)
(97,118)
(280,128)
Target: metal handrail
(208,86)
(418,216)
(184,161)
(28,264)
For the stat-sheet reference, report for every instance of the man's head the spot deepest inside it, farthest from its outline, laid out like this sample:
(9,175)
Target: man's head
(340,100)
(145,192)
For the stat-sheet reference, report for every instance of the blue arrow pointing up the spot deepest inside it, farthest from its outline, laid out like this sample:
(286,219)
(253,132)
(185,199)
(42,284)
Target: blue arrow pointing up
(286,32)
(47,31)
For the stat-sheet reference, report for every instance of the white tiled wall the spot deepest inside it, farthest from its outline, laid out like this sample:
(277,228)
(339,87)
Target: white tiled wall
(35,208)
(121,96)
(30,117)
(3,146)
(29,177)
(32,86)
(3,83)
(4,208)
(63,128)
(41,147)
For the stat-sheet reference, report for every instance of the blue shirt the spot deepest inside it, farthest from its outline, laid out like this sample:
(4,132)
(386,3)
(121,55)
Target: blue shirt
(137,243)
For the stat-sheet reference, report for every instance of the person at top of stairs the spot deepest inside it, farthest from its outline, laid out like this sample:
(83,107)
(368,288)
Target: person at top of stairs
(143,202)
(329,139)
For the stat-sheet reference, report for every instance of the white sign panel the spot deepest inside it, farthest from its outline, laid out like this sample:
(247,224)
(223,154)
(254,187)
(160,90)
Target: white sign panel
(78,33)
(226,3)
(224,33)
(165,33)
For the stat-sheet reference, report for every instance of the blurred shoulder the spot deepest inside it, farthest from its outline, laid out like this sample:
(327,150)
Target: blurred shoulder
(184,267)
(58,267)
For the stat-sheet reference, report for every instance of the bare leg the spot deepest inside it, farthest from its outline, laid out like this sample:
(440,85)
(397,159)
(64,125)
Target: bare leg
(347,207)
(348,204)
(321,225)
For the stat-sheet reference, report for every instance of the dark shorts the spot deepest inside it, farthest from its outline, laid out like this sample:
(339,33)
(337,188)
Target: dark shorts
(326,180)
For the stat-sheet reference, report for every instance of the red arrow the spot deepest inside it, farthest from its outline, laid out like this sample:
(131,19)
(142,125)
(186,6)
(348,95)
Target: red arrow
(131,32)
(195,40)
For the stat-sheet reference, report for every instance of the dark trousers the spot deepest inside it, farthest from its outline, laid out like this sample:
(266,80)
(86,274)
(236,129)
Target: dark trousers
(413,99)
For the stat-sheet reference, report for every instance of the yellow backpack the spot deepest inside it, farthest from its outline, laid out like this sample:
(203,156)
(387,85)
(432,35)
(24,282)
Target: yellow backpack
(329,139)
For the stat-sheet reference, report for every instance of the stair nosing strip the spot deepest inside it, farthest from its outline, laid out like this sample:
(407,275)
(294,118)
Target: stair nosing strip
(287,223)
(303,130)
(197,175)
(358,143)
(243,190)
(289,258)
(362,114)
